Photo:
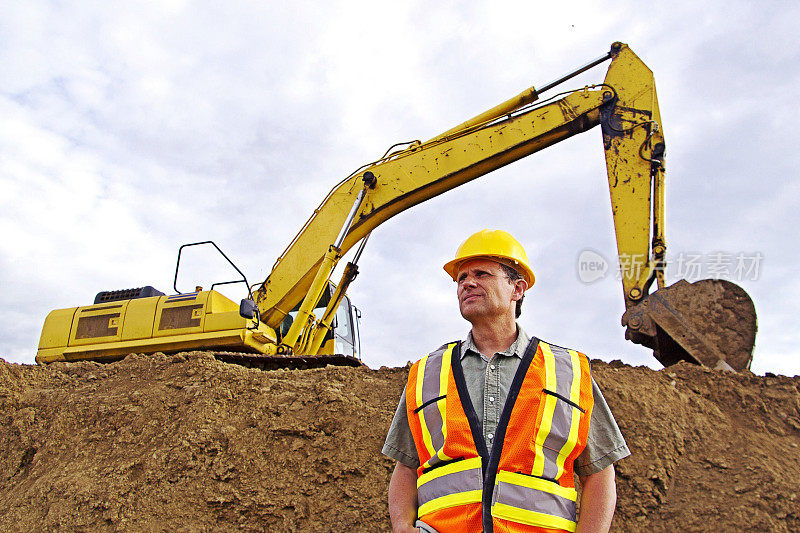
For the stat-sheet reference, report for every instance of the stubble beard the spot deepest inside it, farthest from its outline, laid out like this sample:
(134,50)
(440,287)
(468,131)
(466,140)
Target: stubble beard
(473,313)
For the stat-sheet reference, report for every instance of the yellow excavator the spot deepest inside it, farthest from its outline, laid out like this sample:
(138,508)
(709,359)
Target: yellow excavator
(297,316)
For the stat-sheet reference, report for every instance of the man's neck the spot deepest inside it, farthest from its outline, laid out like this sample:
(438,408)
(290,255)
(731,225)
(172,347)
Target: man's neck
(492,338)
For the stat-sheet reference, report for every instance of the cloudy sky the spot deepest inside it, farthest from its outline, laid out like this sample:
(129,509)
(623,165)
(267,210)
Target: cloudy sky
(130,128)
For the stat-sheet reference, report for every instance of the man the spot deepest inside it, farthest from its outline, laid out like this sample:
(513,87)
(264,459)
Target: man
(489,431)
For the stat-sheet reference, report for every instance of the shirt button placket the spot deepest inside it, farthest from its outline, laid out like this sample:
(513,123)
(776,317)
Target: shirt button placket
(491,409)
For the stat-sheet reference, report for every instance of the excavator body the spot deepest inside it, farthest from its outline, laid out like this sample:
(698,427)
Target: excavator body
(202,320)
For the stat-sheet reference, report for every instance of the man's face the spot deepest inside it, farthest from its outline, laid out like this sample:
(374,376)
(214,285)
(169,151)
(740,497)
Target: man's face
(484,291)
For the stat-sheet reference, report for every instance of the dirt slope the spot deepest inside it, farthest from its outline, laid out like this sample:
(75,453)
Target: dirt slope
(187,443)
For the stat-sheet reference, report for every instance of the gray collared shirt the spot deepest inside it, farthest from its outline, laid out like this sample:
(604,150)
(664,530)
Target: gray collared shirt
(488,382)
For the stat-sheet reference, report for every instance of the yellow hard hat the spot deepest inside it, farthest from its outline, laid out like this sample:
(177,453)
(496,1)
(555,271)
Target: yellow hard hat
(497,245)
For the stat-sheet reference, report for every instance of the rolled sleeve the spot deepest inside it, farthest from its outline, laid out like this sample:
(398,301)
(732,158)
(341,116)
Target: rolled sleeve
(399,444)
(605,444)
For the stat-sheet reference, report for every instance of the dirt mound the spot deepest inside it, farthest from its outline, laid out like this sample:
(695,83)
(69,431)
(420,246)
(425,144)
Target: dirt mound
(188,443)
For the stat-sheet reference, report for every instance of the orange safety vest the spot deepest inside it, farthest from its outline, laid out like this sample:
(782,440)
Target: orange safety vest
(525,482)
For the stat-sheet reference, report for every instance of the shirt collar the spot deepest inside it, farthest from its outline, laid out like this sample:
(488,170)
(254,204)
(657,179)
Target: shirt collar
(517,348)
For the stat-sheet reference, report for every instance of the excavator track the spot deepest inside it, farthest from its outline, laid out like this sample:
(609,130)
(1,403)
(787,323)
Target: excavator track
(287,362)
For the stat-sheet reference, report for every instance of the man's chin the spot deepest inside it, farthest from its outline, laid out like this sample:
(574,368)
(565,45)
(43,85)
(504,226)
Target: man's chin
(469,313)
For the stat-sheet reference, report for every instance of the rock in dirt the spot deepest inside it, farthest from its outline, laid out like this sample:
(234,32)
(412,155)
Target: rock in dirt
(187,443)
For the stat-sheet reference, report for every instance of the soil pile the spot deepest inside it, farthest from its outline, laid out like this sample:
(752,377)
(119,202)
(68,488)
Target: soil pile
(188,443)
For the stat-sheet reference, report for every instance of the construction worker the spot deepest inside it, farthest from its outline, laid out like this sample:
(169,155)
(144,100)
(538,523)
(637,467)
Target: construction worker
(489,431)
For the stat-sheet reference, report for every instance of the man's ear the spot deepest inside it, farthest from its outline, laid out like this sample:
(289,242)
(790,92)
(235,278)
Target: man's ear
(520,285)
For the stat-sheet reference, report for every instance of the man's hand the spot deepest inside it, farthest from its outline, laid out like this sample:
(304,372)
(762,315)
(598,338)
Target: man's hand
(598,500)
(403,499)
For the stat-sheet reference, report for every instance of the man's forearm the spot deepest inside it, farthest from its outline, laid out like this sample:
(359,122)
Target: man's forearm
(403,498)
(598,500)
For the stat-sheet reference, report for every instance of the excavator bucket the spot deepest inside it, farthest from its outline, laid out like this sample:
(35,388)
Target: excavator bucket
(708,322)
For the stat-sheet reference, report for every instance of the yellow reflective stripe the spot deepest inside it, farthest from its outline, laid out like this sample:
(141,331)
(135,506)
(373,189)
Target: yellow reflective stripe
(549,367)
(575,392)
(451,500)
(538,484)
(574,396)
(444,376)
(426,435)
(541,435)
(549,409)
(452,468)
(531,518)
(420,379)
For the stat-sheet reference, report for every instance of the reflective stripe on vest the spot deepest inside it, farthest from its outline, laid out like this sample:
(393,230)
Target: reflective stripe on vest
(543,428)
(431,388)
(450,485)
(558,433)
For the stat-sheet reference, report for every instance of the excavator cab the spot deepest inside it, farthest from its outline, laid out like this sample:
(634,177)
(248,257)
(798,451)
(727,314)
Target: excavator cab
(343,336)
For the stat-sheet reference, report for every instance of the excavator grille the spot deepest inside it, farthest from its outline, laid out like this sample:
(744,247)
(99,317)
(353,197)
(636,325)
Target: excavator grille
(126,294)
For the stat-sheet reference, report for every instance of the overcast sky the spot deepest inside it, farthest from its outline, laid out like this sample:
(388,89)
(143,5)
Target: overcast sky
(130,128)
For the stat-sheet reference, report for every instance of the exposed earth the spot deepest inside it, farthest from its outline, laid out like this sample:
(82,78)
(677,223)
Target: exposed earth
(188,443)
